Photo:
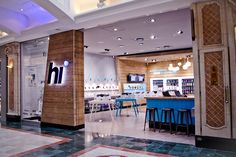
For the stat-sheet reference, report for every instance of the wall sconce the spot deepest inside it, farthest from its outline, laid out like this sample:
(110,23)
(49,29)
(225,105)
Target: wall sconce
(10,65)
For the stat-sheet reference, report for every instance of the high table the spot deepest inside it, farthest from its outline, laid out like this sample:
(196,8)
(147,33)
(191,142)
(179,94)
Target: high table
(119,102)
(171,102)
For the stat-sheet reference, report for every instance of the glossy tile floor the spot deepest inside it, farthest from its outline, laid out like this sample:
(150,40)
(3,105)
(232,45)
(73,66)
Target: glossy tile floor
(75,142)
(32,141)
(131,126)
(12,140)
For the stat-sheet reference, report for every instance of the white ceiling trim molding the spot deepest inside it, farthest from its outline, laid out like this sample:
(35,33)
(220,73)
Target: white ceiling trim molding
(59,8)
(6,40)
(129,10)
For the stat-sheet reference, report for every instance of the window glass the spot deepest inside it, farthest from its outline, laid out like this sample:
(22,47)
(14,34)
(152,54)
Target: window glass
(33,69)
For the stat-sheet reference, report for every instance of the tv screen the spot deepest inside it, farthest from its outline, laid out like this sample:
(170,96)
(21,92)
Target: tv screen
(135,78)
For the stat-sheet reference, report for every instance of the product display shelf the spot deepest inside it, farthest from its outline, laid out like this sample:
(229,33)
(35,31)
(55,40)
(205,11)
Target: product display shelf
(188,86)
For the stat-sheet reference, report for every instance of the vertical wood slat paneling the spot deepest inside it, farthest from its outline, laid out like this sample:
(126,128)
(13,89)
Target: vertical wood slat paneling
(62,102)
(124,67)
(164,66)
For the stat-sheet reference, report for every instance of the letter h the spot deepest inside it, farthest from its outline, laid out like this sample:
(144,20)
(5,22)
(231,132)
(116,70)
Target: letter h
(58,73)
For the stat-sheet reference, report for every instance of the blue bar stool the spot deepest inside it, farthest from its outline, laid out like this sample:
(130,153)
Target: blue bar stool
(169,115)
(152,117)
(184,113)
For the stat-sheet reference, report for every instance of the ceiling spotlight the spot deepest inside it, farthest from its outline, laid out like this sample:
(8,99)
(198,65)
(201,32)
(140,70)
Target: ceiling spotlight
(121,46)
(152,20)
(180,32)
(107,50)
(21,9)
(152,37)
(115,29)
(153,60)
(85,46)
(126,53)
(140,44)
(119,38)
(146,59)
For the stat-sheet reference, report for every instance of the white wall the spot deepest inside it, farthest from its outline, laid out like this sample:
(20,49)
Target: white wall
(99,69)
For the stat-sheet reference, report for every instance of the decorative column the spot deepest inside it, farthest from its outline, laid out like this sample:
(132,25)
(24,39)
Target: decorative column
(212,74)
(63,101)
(12,53)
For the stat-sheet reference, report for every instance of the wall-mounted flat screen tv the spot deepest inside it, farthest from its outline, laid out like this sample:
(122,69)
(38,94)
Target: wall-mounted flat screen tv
(135,78)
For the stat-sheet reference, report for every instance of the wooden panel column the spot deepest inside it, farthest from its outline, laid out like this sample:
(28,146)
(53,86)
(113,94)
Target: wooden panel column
(63,103)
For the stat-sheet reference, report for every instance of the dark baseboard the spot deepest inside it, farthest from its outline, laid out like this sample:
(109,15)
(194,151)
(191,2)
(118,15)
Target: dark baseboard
(43,124)
(13,118)
(215,143)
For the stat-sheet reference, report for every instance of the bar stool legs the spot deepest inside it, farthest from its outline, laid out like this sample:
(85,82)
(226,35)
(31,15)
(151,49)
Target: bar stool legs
(167,112)
(151,112)
(184,113)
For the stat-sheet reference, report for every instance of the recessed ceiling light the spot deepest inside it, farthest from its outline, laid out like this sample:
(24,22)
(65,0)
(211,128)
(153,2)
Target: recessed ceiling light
(152,37)
(153,60)
(140,44)
(121,46)
(166,46)
(180,32)
(119,38)
(139,39)
(115,29)
(152,20)
(126,53)
(21,9)
(48,38)
(100,42)
(146,59)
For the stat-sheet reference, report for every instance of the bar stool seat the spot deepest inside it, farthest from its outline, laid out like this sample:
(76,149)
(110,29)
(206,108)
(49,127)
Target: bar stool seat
(152,117)
(181,114)
(168,114)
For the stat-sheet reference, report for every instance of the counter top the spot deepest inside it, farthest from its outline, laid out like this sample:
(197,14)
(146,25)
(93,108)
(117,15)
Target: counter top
(170,98)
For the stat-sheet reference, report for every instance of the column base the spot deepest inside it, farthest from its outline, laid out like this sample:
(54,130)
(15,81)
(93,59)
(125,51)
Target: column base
(43,124)
(13,118)
(215,143)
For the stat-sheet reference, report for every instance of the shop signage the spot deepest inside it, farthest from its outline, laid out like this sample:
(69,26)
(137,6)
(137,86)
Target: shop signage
(55,74)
